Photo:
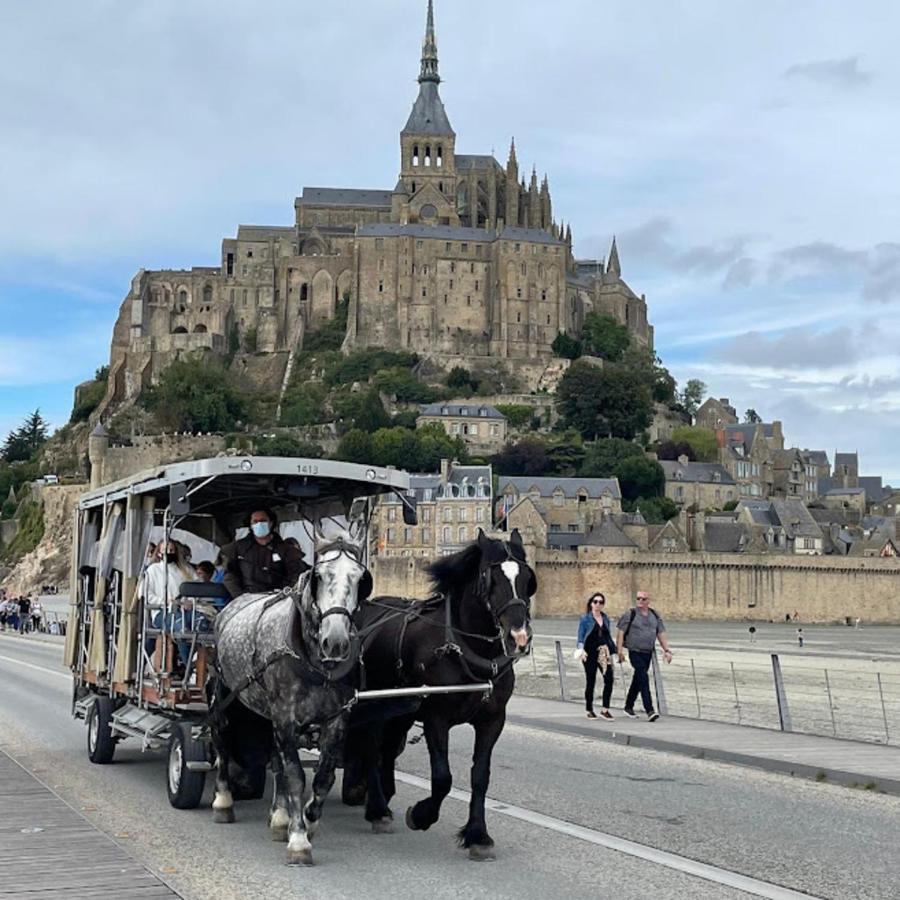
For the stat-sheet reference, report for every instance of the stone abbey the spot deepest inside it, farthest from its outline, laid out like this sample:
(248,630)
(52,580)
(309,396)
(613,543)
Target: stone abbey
(463,260)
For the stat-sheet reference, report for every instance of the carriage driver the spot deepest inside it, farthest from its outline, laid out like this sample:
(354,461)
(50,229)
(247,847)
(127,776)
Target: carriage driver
(262,561)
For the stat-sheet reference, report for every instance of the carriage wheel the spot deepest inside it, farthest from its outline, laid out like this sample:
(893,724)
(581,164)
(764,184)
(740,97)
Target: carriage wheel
(101,744)
(184,787)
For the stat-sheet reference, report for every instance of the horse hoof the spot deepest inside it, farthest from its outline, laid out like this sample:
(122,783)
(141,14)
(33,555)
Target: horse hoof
(410,822)
(482,852)
(223,816)
(299,858)
(383,826)
(279,835)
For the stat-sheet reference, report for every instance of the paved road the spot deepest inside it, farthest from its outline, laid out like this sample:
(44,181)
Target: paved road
(821,839)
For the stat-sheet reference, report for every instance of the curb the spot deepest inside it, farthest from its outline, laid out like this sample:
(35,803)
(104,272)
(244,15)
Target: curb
(783,767)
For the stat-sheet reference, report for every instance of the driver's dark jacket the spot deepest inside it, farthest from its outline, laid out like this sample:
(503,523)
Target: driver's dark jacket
(254,568)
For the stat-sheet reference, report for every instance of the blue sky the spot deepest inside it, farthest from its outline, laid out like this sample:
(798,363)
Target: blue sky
(744,153)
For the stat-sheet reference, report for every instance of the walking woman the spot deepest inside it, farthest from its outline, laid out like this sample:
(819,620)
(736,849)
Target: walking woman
(597,647)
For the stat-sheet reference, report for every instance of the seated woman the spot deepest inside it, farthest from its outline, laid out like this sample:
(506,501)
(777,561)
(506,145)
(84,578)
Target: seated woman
(163,579)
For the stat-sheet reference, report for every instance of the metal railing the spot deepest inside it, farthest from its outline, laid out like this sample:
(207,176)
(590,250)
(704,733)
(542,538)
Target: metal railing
(842,699)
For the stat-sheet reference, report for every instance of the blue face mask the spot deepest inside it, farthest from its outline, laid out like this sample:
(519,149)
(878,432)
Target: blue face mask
(260,529)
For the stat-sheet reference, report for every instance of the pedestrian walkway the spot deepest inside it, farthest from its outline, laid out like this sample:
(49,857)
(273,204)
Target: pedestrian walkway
(48,850)
(853,763)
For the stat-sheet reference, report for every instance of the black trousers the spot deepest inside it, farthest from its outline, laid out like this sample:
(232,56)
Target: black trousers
(591,665)
(640,682)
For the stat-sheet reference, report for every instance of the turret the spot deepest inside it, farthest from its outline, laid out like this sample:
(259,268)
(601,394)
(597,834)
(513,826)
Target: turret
(512,186)
(98,444)
(613,267)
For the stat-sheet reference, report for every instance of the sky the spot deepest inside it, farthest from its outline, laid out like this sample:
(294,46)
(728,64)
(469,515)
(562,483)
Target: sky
(745,154)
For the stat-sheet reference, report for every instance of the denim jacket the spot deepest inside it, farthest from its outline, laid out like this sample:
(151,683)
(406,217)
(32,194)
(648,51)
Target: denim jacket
(586,625)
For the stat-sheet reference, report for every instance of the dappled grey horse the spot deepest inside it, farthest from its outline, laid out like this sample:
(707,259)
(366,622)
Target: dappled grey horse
(283,662)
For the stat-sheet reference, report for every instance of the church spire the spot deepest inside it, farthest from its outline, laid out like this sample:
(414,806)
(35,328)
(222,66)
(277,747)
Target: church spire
(512,154)
(429,70)
(613,267)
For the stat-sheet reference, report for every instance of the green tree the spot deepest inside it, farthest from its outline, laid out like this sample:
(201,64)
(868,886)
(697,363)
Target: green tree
(286,445)
(355,446)
(25,441)
(565,452)
(602,335)
(405,419)
(251,340)
(89,395)
(692,395)
(362,364)
(752,417)
(363,410)
(517,414)
(602,457)
(304,405)
(434,444)
(640,476)
(566,346)
(702,441)
(525,457)
(196,393)
(331,334)
(402,384)
(396,447)
(604,402)
(655,510)
(461,379)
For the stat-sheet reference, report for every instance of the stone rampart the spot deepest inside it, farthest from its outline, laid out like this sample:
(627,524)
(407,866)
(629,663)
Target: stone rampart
(146,452)
(694,586)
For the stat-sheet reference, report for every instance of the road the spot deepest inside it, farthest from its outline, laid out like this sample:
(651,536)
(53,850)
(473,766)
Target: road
(566,799)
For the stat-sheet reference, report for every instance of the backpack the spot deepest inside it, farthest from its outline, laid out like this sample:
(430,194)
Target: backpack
(631,620)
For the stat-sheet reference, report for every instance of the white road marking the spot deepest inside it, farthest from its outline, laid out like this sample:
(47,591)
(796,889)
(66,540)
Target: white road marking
(622,845)
(28,665)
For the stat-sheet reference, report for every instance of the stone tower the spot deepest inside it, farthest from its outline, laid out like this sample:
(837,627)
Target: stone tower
(428,144)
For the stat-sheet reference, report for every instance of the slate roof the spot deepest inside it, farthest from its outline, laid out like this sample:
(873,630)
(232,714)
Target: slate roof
(319,196)
(816,457)
(533,235)
(459,475)
(595,487)
(873,487)
(846,459)
(606,533)
(465,410)
(438,232)
(704,473)
(725,537)
(428,116)
(468,161)
(845,490)
(741,434)
(791,515)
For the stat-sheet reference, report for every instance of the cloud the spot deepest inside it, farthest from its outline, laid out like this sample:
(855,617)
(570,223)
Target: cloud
(797,348)
(815,258)
(882,280)
(843,73)
(741,274)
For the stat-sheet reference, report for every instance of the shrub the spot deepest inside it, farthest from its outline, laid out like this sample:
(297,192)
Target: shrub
(565,346)
(517,414)
(31,530)
(304,405)
(361,365)
(402,384)
(331,335)
(363,410)
(287,445)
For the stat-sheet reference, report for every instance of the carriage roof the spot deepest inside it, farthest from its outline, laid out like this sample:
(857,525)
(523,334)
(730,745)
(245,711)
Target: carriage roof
(228,485)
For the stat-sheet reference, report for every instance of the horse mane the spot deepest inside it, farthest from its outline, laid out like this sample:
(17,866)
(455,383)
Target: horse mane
(449,573)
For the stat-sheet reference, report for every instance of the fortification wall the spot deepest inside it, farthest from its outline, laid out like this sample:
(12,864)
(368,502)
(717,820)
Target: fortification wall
(695,586)
(156,450)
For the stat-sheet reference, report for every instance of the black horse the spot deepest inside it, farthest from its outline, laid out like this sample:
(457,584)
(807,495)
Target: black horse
(283,662)
(471,630)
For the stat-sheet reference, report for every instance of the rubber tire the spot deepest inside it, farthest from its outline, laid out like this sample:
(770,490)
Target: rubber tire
(184,787)
(101,744)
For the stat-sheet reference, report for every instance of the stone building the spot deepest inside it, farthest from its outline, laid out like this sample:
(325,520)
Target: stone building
(481,426)
(463,259)
(746,452)
(716,414)
(452,505)
(696,484)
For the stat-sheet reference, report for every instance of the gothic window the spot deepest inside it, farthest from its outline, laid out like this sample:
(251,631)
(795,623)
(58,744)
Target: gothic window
(207,294)
(463,535)
(229,264)
(440,158)
(428,211)
(427,155)
(182,297)
(304,292)
(415,159)
(413,187)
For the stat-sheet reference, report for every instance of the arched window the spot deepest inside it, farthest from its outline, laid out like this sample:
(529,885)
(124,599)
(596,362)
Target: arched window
(524,268)
(180,330)
(200,329)
(413,187)
(440,156)
(207,294)
(415,156)
(427,154)
(182,297)
(304,291)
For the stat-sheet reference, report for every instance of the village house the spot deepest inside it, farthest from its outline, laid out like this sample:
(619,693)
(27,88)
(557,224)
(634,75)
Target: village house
(482,427)
(699,485)
(452,505)
(746,453)
(783,524)
(715,414)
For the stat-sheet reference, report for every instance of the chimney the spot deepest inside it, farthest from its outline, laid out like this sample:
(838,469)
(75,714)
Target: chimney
(445,471)
(720,437)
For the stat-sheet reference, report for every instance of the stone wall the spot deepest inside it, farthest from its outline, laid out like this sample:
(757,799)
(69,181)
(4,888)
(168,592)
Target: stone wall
(700,586)
(156,450)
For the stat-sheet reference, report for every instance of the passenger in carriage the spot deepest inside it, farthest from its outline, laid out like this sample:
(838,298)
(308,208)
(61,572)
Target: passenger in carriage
(262,561)
(163,578)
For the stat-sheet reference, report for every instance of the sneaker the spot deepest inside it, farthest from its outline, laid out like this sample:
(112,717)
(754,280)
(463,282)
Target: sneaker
(606,714)
(591,714)
(652,716)
(630,713)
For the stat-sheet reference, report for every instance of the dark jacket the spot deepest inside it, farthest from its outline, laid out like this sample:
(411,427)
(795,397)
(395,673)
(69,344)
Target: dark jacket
(586,626)
(254,568)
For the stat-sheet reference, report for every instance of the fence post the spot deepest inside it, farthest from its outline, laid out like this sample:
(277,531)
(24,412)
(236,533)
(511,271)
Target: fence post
(561,669)
(696,691)
(784,714)
(830,703)
(887,733)
(737,699)
(661,706)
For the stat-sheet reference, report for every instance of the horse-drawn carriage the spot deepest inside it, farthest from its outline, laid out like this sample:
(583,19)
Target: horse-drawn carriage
(199,673)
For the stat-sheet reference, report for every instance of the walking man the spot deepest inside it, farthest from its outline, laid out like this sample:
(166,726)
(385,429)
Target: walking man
(638,630)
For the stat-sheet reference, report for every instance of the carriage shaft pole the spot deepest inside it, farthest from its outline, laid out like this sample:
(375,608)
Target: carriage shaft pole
(424,691)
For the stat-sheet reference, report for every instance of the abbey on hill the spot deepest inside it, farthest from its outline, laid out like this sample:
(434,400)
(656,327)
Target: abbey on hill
(462,259)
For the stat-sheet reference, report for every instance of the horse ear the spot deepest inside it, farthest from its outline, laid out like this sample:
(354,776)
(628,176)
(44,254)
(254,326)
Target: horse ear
(515,538)
(365,586)
(319,533)
(531,590)
(482,538)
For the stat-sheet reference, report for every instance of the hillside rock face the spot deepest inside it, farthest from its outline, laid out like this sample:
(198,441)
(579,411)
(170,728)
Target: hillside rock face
(49,562)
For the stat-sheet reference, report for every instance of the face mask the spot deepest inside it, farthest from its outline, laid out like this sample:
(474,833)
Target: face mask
(260,529)
(170,557)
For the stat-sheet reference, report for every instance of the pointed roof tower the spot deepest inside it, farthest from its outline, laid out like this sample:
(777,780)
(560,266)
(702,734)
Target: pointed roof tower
(428,116)
(512,154)
(613,267)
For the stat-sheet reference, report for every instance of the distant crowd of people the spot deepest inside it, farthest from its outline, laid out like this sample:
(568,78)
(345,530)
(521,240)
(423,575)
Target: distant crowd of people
(26,615)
